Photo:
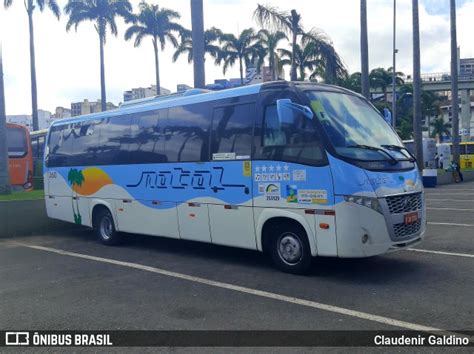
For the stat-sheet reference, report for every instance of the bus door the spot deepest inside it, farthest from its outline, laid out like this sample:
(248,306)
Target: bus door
(58,196)
(230,209)
(291,173)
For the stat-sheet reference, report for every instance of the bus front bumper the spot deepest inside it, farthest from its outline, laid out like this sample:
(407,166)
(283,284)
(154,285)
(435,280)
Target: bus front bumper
(363,232)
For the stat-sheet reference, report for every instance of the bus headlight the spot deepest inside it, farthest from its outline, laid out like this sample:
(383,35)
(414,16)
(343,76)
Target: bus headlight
(372,203)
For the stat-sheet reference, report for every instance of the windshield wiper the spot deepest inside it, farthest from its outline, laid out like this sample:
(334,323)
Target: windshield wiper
(401,148)
(373,148)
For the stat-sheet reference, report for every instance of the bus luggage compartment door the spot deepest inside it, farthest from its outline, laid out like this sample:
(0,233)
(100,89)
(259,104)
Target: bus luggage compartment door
(194,221)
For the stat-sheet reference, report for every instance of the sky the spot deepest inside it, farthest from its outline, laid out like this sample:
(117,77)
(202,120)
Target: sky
(67,63)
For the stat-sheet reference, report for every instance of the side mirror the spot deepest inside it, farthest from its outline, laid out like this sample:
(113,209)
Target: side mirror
(287,109)
(387,115)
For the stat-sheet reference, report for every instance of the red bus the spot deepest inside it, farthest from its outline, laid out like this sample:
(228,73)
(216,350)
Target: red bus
(20,157)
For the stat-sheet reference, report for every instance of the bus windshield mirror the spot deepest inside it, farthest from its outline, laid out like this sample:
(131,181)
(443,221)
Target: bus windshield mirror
(287,110)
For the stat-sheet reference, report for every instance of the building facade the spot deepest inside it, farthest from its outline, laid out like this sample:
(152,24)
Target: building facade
(62,112)
(45,118)
(466,68)
(87,107)
(143,92)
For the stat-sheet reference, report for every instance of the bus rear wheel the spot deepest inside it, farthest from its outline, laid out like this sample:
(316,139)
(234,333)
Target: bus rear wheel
(290,250)
(104,228)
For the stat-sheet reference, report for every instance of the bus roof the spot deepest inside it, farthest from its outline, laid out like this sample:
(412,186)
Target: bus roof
(166,102)
(198,96)
(15,125)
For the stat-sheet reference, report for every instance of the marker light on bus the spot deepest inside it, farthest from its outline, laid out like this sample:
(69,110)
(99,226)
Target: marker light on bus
(368,202)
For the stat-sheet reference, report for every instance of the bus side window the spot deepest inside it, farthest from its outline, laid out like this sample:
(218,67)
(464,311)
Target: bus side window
(187,133)
(273,135)
(60,145)
(232,130)
(85,143)
(147,140)
(293,142)
(113,141)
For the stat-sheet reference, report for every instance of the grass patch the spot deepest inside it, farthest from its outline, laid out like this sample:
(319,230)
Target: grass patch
(33,195)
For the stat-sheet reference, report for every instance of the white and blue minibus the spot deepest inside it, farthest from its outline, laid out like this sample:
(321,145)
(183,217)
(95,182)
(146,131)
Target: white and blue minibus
(295,170)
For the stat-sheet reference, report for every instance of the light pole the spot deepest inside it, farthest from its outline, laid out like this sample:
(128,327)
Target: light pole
(394,67)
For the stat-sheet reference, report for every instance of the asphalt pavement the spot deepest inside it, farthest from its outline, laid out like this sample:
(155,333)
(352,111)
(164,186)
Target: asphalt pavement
(69,281)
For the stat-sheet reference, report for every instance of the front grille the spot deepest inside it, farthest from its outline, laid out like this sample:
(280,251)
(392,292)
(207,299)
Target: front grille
(404,203)
(403,230)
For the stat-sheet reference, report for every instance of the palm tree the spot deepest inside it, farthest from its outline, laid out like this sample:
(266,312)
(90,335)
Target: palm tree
(288,22)
(158,24)
(5,187)
(304,57)
(454,81)
(417,132)
(103,13)
(440,128)
(269,42)
(352,82)
(331,69)
(364,50)
(30,6)
(211,36)
(381,78)
(197,20)
(242,48)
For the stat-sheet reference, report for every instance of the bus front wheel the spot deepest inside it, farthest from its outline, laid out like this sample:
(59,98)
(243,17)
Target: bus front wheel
(105,229)
(290,250)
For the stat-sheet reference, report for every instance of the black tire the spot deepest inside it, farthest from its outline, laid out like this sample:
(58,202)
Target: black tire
(104,228)
(289,249)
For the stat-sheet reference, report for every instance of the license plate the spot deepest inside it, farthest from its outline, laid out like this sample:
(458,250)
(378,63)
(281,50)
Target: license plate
(410,218)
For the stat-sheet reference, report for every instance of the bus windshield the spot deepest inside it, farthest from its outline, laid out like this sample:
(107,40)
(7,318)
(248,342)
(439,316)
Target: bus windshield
(16,141)
(354,128)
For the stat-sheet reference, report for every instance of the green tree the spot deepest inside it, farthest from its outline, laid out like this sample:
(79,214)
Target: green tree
(103,13)
(199,52)
(382,78)
(305,58)
(430,106)
(277,20)
(352,82)
(157,23)
(440,128)
(30,6)
(269,41)
(211,46)
(331,68)
(242,49)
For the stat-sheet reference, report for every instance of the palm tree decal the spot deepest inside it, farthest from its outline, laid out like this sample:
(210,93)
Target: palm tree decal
(75,178)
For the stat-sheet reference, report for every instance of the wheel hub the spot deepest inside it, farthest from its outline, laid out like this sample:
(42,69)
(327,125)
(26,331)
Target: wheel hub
(290,249)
